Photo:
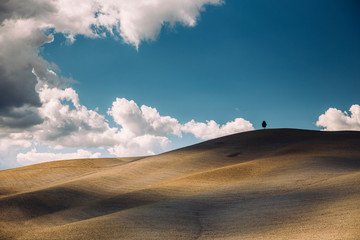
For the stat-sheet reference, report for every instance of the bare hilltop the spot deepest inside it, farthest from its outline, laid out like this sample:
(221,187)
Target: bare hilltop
(265,184)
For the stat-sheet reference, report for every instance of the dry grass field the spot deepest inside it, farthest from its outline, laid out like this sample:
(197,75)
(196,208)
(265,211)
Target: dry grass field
(266,184)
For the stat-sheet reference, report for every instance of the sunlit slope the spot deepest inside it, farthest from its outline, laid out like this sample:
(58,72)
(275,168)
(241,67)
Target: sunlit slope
(268,184)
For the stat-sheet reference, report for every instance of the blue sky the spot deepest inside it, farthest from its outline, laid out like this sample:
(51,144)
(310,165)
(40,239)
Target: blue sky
(295,64)
(282,61)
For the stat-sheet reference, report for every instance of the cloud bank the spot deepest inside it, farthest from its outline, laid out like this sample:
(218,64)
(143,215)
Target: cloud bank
(336,120)
(68,124)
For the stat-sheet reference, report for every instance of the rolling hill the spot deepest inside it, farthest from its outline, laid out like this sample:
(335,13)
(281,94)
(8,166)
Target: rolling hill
(265,184)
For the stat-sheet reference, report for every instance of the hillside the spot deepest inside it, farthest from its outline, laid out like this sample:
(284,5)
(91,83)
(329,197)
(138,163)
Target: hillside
(265,184)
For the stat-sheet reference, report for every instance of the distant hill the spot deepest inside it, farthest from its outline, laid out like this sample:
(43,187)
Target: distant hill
(265,184)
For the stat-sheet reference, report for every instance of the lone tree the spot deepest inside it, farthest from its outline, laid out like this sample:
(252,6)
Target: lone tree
(264,124)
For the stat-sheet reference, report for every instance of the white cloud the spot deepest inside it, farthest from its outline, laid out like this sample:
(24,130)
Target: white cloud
(147,121)
(143,19)
(142,121)
(68,124)
(33,156)
(336,120)
(18,58)
(17,118)
(71,126)
(211,129)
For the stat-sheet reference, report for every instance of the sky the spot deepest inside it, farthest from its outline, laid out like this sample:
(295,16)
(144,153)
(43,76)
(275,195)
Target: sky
(103,78)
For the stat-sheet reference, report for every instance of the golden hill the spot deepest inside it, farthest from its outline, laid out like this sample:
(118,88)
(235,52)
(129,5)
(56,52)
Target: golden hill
(267,184)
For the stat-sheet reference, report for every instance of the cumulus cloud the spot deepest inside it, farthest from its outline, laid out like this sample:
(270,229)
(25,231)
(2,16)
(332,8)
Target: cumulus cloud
(147,121)
(20,117)
(144,120)
(18,58)
(143,19)
(211,129)
(10,9)
(336,120)
(33,156)
(70,124)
